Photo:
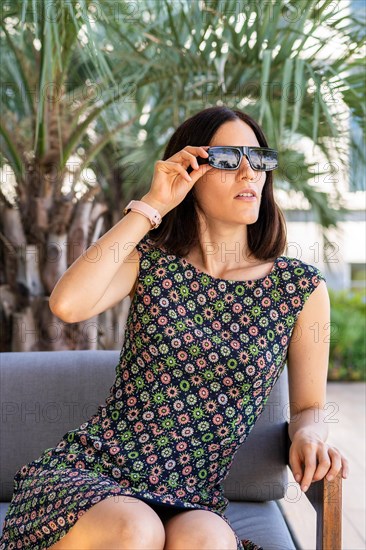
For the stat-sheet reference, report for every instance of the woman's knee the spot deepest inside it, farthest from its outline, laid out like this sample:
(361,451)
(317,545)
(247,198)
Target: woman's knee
(118,523)
(142,528)
(199,529)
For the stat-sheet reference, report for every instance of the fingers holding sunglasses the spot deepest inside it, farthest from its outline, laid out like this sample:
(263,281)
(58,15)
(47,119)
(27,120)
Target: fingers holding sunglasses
(171,181)
(189,156)
(188,159)
(192,158)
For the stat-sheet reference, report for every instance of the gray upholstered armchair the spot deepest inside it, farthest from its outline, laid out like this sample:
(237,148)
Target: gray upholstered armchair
(45,394)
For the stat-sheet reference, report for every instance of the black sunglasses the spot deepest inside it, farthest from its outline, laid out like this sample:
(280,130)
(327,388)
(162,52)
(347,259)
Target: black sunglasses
(226,157)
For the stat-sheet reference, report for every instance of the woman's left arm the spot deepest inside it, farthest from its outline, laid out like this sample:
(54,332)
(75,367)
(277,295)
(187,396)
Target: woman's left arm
(310,457)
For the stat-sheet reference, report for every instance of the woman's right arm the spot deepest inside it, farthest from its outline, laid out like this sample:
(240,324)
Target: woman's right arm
(107,271)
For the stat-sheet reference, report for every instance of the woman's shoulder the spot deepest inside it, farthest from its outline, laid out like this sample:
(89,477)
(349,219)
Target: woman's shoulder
(300,276)
(299,267)
(297,281)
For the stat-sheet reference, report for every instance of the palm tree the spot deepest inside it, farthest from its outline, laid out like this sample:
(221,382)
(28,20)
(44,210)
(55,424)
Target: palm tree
(271,59)
(47,49)
(113,86)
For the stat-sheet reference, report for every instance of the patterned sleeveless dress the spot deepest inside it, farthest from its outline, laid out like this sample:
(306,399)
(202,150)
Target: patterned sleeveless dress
(199,360)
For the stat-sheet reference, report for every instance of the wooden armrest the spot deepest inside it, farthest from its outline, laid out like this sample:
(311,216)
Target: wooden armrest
(326,498)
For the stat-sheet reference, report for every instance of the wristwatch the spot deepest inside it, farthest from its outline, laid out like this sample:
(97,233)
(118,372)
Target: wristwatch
(151,213)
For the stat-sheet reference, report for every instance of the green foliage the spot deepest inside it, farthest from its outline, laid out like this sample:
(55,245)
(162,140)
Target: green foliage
(347,340)
(107,63)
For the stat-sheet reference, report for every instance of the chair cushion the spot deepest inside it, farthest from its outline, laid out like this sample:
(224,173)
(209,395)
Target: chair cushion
(261,522)
(44,394)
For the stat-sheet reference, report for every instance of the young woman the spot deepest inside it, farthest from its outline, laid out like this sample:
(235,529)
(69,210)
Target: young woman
(215,305)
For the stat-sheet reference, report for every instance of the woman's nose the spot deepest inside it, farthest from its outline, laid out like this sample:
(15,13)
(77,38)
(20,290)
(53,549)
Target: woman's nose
(247,169)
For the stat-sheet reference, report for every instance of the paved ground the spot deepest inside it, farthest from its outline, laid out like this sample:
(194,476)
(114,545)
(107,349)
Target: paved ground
(347,433)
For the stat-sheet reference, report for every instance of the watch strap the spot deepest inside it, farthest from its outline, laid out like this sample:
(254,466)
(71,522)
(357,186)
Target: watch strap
(143,208)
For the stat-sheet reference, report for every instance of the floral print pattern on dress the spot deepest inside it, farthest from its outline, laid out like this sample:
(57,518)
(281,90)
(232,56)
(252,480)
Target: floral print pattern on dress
(199,360)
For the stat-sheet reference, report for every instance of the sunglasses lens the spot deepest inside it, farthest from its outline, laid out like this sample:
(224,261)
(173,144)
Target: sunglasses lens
(226,158)
(263,159)
(223,157)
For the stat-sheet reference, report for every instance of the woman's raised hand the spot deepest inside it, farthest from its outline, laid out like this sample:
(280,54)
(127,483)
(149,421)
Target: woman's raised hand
(171,181)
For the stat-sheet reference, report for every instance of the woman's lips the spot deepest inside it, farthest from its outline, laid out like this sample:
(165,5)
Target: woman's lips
(246,199)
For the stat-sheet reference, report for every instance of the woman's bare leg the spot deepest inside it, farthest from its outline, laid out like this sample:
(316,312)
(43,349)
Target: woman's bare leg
(115,523)
(201,529)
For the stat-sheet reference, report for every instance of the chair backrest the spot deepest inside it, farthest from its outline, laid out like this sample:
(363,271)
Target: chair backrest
(44,394)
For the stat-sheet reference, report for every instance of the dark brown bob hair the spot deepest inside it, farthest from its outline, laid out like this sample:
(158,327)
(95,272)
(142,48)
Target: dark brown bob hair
(178,232)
